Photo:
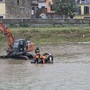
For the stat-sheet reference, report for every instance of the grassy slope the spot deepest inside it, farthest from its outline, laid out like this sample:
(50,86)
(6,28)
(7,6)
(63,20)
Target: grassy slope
(51,35)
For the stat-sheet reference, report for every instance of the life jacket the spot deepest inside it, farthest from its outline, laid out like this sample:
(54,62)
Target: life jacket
(43,59)
(37,55)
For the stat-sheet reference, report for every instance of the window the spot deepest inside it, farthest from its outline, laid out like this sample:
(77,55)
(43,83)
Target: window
(17,2)
(33,8)
(43,7)
(1,17)
(79,10)
(23,2)
(51,7)
(86,10)
(2,0)
(84,2)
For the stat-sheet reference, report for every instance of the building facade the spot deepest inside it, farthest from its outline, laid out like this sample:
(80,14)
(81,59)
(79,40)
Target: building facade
(18,9)
(84,9)
(43,7)
(50,12)
(13,9)
(2,9)
(34,7)
(49,3)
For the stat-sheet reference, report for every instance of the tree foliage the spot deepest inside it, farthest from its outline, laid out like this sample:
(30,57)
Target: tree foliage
(65,7)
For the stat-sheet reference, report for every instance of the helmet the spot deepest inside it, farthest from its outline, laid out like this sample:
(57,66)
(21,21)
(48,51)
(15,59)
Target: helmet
(37,50)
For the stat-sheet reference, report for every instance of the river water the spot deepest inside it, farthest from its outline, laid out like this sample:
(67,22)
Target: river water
(70,70)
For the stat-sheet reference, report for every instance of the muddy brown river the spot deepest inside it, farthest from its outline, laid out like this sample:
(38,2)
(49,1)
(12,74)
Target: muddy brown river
(70,70)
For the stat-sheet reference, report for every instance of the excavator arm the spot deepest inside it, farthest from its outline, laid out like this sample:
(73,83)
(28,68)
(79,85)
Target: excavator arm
(8,35)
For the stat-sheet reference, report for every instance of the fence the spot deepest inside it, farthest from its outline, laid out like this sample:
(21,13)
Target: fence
(45,22)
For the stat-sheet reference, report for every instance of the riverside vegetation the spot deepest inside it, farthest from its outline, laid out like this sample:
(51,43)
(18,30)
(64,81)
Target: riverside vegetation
(56,35)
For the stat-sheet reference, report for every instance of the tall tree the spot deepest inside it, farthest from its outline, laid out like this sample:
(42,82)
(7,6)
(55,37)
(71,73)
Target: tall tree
(65,7)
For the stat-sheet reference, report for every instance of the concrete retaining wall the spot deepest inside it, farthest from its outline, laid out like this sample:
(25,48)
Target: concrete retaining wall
(45,22)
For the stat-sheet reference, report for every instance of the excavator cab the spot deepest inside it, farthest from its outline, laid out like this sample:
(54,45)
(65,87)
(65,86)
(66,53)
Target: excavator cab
(19,47)
(22,45)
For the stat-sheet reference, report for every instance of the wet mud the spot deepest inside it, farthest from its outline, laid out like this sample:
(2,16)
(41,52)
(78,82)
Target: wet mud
(70,70)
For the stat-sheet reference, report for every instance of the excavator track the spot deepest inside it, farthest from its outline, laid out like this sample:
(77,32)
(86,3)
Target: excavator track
(4,57)
(19,57)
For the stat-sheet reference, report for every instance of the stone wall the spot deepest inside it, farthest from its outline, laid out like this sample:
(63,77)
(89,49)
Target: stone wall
(18,9)
(45,22)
